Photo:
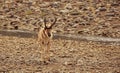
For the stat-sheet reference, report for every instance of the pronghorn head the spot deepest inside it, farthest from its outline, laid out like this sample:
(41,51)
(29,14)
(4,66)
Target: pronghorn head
(51,25)
(48,29)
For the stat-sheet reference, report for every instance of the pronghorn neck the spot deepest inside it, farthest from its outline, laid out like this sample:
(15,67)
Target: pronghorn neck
(45,33)
(48,32)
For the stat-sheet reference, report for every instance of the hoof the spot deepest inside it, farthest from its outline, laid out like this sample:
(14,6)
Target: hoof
(44,62)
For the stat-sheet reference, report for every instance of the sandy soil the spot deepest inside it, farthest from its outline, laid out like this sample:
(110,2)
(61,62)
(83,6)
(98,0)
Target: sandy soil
(21,55)
(86,17)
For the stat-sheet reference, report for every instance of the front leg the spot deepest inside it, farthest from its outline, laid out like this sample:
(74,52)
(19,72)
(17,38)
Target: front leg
(44,54)
(41,47)
(48,50)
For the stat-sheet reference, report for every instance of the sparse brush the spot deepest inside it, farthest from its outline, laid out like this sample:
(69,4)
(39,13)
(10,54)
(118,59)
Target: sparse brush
(91,7)
(108,7)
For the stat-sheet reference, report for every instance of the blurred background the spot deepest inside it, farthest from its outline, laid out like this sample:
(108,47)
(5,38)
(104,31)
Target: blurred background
(86,17)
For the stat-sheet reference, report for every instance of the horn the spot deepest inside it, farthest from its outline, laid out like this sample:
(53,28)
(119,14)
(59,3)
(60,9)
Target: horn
(45,23)
(53,23)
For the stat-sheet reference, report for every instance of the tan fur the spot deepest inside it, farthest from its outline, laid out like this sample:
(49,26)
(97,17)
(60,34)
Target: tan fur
(44,41)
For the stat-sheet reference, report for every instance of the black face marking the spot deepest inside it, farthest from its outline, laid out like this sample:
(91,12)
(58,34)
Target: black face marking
(42,42)
(49,34)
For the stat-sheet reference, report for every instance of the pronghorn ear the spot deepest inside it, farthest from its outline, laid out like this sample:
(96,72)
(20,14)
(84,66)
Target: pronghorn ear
(53,23)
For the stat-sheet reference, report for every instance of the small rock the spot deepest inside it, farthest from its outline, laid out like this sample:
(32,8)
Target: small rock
(80,32)
(109,19)
(85,23)
(64,11)
(74,13)
(68,63)
(14,23)
(115,4)
(110,14)
(80,62)
(75,25)
(68,6)
(102,9)
(55,5)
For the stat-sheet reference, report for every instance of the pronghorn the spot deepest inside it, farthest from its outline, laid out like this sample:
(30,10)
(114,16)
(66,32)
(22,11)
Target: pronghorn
(44,40)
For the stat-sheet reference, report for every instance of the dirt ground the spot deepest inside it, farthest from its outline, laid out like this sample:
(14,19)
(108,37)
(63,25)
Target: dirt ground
(84,17)
(21,55)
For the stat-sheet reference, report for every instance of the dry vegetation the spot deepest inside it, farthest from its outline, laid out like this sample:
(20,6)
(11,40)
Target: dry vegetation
(87,17)
(22,55)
